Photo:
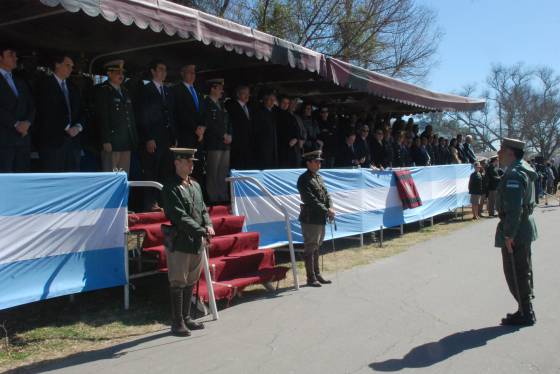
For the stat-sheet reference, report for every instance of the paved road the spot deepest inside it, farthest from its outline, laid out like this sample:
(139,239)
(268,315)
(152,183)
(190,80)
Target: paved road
(432,309)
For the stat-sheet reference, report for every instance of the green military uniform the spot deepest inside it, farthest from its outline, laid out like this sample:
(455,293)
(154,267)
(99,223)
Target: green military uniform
(115,116)
(313,217)
(515,201)
(115,119)
(216,120)
(184,205)
(185,240)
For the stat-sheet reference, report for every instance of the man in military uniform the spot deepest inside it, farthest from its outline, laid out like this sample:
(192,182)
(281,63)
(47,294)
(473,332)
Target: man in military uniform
(315,210)
(185,239)
(218,140)
(115,118)
(516,230)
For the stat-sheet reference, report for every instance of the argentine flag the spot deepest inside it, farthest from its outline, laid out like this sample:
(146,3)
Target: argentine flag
(364,199)
(61,234)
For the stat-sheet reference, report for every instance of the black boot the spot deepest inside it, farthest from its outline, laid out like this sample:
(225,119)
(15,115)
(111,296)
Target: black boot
(187,295)
(317,271)
(178,327)
(311,280)
(525,317)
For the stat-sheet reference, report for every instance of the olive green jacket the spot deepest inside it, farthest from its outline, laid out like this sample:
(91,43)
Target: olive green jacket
(515,201)
(315,198)
(115,118)
(184,206)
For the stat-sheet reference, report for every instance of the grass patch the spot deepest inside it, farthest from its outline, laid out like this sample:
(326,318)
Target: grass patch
(59,327)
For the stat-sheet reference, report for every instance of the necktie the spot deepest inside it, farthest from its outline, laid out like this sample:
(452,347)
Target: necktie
(66,98)
(11,83)
(194,96)
(246,111)
(162,93)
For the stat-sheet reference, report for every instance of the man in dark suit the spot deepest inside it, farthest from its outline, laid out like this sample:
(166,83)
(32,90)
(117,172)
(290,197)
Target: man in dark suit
(188,110)
(288,135)
(265,134)
(157,131)
(346,156)
(59,119)
(242,126)
(17,112)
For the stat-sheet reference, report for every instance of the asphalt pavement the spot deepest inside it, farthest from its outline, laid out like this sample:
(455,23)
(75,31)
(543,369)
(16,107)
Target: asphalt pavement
(432,309)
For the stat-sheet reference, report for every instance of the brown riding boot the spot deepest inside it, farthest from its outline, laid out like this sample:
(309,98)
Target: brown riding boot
(187,304)
(309,269)
(178,327)
(317,271)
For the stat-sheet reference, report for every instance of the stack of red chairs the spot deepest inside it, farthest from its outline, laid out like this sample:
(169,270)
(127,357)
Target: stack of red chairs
(234,256)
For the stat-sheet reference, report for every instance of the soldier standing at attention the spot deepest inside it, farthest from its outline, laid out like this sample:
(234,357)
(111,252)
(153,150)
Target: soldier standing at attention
(115,118)
(315,210)
(516,230)
(218,140)
(185,239)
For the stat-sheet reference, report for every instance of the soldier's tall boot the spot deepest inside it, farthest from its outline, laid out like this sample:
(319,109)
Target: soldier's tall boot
(309,269)
(317,271)
(178,327)
(187,304)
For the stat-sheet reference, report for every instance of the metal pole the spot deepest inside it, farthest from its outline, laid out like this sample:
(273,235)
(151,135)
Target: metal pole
(432,221)
(361,239)
(381,236)
(291,247)
(209,286)
(402,229)
(286,219)
(126,289)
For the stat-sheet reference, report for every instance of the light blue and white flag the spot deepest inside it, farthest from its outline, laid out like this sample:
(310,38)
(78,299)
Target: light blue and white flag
(364,199)
(60,234)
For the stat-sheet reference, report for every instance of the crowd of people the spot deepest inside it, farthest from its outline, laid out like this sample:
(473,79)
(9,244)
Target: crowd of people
(132,127)
(483,183)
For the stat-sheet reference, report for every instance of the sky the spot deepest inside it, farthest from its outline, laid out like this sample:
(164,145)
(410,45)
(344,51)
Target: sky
(479,33)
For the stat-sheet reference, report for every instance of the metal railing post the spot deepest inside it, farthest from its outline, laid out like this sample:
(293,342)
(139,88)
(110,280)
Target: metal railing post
(286,219)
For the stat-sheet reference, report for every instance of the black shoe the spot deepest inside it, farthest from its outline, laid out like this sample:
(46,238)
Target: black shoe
(193,325)
(322,280)
(313,284)
(516,319)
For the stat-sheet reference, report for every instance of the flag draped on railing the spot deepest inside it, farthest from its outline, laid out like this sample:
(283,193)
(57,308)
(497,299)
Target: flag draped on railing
(60,234)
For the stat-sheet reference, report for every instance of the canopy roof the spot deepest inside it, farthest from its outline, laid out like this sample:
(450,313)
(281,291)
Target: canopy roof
(178,34)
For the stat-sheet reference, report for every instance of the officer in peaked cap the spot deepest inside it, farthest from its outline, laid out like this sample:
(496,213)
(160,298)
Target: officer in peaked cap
(516,230)
(316,208)
(190,230)
(217,140)
(115,118)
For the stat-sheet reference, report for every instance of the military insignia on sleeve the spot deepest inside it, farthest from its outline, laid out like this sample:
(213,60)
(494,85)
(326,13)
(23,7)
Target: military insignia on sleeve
(512,183)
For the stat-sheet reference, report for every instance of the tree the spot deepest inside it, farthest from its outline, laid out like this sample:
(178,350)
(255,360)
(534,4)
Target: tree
(393,37)
(522,103)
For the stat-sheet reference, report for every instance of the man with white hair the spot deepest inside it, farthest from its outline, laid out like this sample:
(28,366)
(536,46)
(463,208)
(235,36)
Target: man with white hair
(468,149)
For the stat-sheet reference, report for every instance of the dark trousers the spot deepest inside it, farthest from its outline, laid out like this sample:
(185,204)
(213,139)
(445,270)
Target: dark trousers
(63,158)
(15,159)
(524,270)
(158,167)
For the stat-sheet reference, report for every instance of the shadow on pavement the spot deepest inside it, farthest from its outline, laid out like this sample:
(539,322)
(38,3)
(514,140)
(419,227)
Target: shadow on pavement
(431,353)
(85,357)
